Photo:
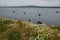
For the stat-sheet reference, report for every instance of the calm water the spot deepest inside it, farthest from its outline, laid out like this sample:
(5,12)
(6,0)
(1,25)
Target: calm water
(50,16)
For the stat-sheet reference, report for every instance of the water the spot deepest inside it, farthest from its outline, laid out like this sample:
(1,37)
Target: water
(50,16)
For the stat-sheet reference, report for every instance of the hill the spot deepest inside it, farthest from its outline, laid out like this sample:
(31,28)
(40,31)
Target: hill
(21,30)
(29,6)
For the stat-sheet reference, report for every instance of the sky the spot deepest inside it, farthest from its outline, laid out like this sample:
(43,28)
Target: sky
(29,2)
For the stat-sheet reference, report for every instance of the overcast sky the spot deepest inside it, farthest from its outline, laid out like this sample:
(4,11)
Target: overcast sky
(29,2)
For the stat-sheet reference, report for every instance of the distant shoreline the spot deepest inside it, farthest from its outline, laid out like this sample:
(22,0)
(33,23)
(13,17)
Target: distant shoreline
(31,6)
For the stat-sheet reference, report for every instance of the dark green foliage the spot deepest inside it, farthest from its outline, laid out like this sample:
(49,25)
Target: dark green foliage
(57,38)
(13,35)
(28,35)
(3,24)
(2,28)
(45,38)
(35,34)
(37,39)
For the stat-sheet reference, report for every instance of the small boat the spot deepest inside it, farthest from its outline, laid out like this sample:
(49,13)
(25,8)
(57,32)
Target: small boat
(13,11)
(57,11)
(24,12)
(39,14)
(29,19)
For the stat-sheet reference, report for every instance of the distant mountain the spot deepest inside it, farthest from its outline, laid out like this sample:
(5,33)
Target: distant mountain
(33,6)
(30,6)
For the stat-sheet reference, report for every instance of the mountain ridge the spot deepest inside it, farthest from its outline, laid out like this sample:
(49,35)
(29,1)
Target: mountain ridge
(30,6)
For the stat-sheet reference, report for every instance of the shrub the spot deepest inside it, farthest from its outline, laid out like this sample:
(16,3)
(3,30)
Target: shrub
(2,28)
(3,24)
(13,35)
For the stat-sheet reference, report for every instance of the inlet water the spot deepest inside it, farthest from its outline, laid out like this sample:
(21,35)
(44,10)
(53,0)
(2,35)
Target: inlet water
(50,16)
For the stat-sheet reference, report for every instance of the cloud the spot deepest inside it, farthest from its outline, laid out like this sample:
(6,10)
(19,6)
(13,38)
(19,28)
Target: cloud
(29,2)
(52,0)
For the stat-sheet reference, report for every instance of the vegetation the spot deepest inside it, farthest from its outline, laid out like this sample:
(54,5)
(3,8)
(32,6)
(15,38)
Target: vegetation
(3,24)
(21,30)
(13,35)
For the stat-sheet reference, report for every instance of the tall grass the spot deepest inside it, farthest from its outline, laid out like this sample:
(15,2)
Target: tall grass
(3,24)
(13,35)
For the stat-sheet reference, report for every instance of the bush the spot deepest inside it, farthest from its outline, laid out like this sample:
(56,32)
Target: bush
(2,28)
(13,35)
(3,24)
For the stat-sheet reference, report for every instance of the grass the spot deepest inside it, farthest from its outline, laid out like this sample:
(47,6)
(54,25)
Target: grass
(3,24)
(19,30)
(13,35)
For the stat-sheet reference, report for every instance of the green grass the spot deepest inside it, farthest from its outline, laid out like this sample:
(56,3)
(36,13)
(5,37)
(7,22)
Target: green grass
(3,24)
(13,35)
